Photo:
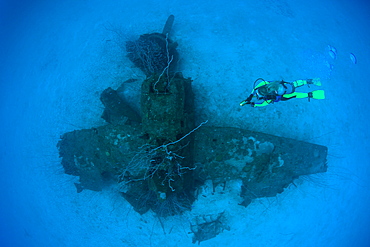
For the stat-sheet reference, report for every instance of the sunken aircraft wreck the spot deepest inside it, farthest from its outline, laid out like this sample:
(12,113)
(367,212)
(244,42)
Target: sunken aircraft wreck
(159,156)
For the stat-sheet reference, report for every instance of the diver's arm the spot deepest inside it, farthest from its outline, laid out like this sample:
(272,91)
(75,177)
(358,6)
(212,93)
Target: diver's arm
(248,100)
(250,97)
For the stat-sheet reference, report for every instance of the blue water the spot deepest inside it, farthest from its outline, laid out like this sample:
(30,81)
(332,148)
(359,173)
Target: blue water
(57,56)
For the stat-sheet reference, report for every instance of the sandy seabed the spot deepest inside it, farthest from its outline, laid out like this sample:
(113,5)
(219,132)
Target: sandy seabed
(58,58)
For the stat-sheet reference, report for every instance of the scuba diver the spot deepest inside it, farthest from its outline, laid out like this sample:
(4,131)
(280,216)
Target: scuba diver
(269,92)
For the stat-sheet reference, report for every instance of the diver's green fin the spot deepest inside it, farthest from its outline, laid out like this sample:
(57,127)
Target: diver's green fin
(318,94)
(316,81)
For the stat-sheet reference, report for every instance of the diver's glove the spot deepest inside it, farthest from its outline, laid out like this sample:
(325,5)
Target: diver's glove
(244,102)
(247,103)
